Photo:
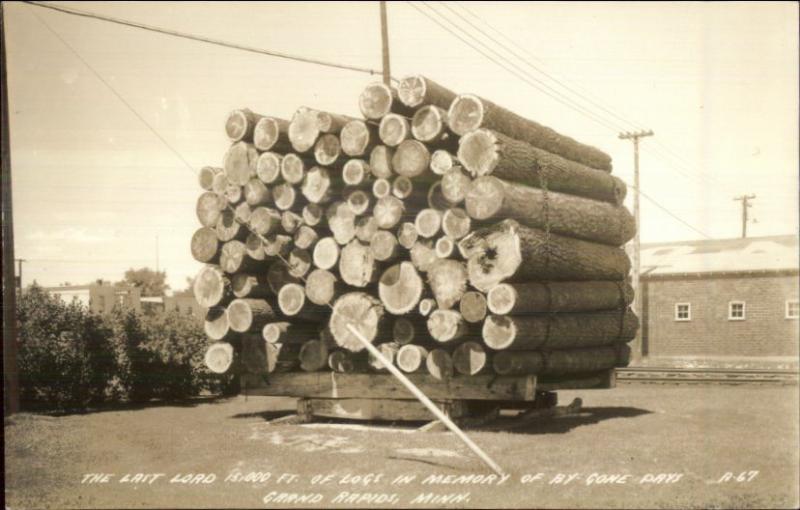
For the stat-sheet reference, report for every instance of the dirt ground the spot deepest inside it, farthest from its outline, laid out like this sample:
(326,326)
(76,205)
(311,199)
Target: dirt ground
(715,447)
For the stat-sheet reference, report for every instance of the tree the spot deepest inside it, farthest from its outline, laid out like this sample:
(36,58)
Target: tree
(152,283)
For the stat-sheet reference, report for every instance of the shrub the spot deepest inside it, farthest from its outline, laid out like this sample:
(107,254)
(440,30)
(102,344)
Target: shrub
(64,357)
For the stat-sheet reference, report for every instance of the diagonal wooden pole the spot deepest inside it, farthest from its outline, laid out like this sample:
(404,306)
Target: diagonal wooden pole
(426,401)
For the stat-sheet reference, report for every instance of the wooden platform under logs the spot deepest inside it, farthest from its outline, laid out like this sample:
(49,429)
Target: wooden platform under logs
(381,397)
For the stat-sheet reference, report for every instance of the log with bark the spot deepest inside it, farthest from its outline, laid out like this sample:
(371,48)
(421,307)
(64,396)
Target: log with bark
(510,251)
(272,134)
(252,286)
(305,237)
(256,193)
(485,152)
(276,245)
(400,288)
(555,362)
(569,215)
(205,177)
(255,246)
(278,276)
(293,303)
(415,91)
(242,213)
(313,214)
(291,222)
(308,124)
(559,331)
(378,100)
(469,112)
(228,227)
(245,314)
(543,297)
(240,124)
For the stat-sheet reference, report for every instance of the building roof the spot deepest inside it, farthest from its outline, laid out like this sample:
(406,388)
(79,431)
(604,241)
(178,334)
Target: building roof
(749,255)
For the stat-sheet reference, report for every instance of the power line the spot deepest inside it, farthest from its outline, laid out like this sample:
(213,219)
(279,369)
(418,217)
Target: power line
(208,40)
(654,202)
(522,75)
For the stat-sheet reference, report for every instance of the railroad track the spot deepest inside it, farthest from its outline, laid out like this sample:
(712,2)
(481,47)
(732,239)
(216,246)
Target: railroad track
(707,375)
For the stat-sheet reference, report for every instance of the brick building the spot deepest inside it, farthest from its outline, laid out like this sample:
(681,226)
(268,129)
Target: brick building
(721,298)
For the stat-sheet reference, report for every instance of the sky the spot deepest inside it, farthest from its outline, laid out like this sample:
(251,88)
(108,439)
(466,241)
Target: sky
(96,192)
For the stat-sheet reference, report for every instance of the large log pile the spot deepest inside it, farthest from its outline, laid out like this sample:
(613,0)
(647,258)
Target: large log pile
(456,235)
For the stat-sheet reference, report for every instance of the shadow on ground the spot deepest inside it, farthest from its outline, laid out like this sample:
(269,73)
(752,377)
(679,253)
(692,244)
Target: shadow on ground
(133,406)
(561,424)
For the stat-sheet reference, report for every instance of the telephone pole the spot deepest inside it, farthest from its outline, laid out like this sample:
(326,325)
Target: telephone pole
(385,45)
(10,371)
(637,349)
(745,199)
(18,280)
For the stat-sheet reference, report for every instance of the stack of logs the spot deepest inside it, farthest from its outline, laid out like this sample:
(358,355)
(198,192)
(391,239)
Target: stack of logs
(457,236)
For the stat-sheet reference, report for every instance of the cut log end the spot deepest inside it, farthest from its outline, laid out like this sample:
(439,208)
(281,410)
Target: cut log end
(205,177)
(305,237)
(291,299)
(383,245)
(442,161)
(355,172)
(411,358)
(400,288)
(477,151)
(317,185)
(411,158)
(394,129)
(205,245)
(312,214)
(355,138)
(360,311)
(501,299)
(267,133)
(465,114)
(268,167)
(210,287)
(219,357)
(304,129)
(446,325)
(426,306)
(402,187)
(389,351)
(375,100)
(498,332)
(216,325)
(264,220)
(358,201)
(381,188)
(470,358)
(448,282)
(293,168)
(341,222)
(313,356)
(321,287)
(403,331)
(456,223)
(484,198)
(407,235)
(291,222)
(327,149)
(473,306)
(388,211)
(356,264)
(455,185)
(284,196)
(240,163)
(444,247)
(272,332)
(209,208)
(239,125)
(412,91)
(439,364)
(428,123)
(428,222)
(326,253)
(380,161)
(366,227)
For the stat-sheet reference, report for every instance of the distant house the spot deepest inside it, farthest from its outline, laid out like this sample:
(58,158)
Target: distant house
(182,303)
(721,298)
(99,297)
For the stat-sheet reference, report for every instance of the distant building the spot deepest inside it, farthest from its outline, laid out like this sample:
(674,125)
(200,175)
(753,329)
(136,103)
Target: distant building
(100,297)
(182,303)
(721,298)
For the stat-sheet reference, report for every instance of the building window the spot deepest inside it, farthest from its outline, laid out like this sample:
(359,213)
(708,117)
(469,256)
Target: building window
(683,311)
(736,311)
(792,309)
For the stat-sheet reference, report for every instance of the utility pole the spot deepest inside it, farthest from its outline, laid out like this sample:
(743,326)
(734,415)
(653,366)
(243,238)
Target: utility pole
(18,281)
(637,349)
(156,254)
(385,45)
(10,371)
(745,199)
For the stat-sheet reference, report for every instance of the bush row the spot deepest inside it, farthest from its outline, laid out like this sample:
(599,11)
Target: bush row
(70,358)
